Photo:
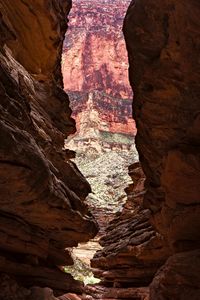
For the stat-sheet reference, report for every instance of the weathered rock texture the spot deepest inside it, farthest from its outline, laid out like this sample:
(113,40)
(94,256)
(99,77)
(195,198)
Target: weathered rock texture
(102,292)
(95,75)
(94,67)
(132,250)
(96,78)
(163,45)
(41,191)
(179,278)
(104,123)
(96,26)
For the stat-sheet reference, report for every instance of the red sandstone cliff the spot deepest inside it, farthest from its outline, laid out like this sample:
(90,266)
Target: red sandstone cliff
(95,75)
(96,25)
(89,72)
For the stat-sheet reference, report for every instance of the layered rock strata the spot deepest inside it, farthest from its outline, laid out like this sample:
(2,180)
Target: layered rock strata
(96,80)
(163,44)
(41,192)
(132,250)
(94,66)
(96,76)
(104,123)
(102,292)
(96,26)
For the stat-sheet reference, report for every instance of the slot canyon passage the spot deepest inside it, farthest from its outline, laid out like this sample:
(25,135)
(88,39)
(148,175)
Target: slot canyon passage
(101,101)
(151,247)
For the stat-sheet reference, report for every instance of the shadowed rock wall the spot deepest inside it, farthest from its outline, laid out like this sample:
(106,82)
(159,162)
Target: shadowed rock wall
(163,44)
(132,251)
(42,193)
(42,210)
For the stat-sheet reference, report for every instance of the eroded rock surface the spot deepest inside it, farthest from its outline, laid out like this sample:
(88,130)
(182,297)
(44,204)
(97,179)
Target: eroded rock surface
(42,206)
(179,278)
(94,66)
(163,45)
(103,122)
(102,292)
(95,56)
(41,192)
(132,250)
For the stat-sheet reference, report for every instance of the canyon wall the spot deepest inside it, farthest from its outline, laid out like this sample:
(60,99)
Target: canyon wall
(163,44)
(95,75)
(132,250)
(42,192)
(154,241)
(100,77)
(96,25)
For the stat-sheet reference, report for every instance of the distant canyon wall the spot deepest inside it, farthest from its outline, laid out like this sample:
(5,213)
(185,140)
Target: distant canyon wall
(94,51)
(95,72)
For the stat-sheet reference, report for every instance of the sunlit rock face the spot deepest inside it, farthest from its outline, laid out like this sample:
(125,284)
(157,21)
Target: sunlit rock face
(163,45)
(95,74)
(42,210)
(100,125)
(95,68)
(94,50)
